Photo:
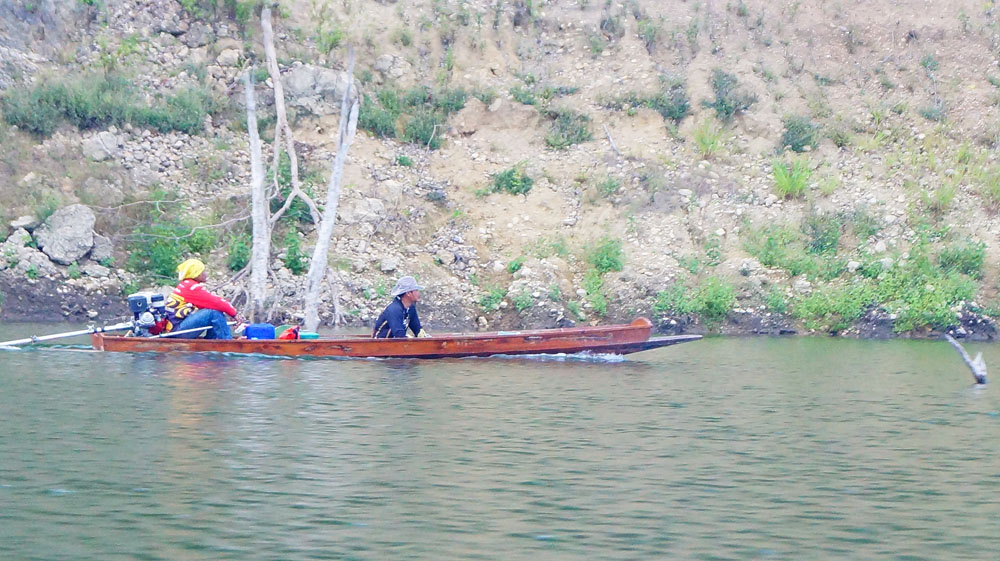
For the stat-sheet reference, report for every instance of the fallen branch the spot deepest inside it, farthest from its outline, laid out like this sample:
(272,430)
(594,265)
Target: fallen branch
(977,365)
(611,140)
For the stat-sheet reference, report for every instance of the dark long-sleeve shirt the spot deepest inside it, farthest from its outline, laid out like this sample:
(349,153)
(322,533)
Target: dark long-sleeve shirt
(395,320)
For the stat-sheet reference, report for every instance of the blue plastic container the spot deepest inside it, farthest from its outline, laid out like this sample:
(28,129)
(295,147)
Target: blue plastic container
(259,331)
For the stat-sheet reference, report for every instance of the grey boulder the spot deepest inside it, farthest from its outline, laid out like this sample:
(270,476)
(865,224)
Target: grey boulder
(68,234)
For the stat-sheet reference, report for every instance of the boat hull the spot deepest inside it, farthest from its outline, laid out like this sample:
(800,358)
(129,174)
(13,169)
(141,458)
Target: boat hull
(615,339)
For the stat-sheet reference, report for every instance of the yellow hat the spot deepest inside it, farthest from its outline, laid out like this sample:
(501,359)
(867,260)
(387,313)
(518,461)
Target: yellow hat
(190,269)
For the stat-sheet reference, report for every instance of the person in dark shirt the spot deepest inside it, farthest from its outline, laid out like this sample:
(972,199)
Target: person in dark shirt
(401,314)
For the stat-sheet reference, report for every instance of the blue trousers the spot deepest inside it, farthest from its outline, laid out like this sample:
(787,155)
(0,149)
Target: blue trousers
(203,318)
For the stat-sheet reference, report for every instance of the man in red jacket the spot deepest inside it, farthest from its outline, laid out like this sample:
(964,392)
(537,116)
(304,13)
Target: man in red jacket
(191,305)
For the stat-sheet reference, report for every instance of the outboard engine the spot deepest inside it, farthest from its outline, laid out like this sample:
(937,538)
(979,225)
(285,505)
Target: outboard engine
(149,313)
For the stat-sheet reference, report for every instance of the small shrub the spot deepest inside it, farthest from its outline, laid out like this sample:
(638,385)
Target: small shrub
(486,96)
(376,119)
(990,187)
(326,41)
(712,300)
(791,179)
(548,247)
(239,252)
(295,261)
(449,101)
(402,37)
(158,248)
(73,271)
(823,233)
(185,112)
(44,206)
(839,135)
(415,97)
(689,263)
(492,299)
(609,187)
(708,138)
(929,63)
(650,32)
(568,128)
(671,102)
(597,43)
(514,180)
(523,95)
(799,133)
(515,265)
(593,284)
(715,299)
(422,128)
(31,272)
(613,26)
(523,301)
(607,255)
(574,309)
(966,259)
(862,223)
(775,301)
(555,294)
(730,99)
(934,112)
(404,160)
(939,200)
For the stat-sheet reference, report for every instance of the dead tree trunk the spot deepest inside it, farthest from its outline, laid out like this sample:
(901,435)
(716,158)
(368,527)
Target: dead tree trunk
(259,212)
(318,264)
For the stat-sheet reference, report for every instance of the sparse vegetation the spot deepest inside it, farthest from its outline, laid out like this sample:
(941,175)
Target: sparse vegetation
(708,138)
(100,100)
(671,101)
(515,181)
(607,255)
(711,300)
(800,133)
(295,260)
(791,179)
(417,115)
(569,127)
(490,301)
(238,256)
(730,98)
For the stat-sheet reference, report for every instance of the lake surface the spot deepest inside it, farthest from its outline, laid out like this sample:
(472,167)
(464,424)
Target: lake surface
(786,449)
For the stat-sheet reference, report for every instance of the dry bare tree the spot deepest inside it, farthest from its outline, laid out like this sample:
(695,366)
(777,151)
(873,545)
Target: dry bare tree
(345,135)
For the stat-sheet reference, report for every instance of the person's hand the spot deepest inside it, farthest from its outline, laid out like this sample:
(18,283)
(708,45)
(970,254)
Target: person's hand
(423,333)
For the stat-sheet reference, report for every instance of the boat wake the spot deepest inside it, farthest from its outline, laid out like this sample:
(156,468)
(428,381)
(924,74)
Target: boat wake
(565,357)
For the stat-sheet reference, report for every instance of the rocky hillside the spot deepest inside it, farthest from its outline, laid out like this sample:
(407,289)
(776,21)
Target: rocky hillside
(743,166)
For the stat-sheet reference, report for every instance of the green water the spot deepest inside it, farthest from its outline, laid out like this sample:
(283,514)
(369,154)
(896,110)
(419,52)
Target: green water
(721,449)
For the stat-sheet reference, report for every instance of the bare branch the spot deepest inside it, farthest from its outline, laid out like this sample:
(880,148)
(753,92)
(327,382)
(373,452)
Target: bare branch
(281,125)
(977,365)
(611,140)
(193,229)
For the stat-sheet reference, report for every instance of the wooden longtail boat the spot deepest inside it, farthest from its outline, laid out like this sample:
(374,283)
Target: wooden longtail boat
(612,339)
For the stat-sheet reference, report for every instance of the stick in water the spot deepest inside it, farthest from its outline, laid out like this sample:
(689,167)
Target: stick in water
(977,365)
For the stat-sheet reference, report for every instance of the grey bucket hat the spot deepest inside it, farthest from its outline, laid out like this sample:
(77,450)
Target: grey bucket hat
(404,285)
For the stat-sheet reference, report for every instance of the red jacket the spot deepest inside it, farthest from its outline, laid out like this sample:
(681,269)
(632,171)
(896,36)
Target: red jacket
(189,295)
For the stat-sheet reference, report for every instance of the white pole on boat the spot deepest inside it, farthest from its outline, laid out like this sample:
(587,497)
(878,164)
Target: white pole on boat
(39,338)
(192,330)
